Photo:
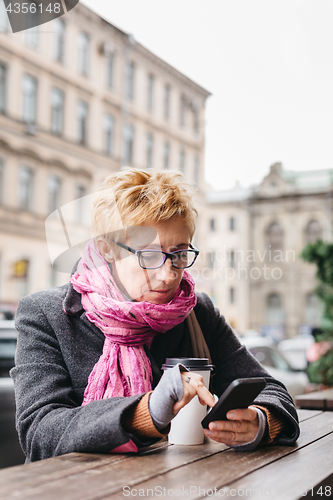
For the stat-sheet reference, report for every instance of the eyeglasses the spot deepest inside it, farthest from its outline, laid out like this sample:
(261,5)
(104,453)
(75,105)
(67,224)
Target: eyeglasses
(153,259)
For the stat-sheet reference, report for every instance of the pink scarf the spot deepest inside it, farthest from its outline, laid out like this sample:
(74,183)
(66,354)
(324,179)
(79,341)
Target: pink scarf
(124,368)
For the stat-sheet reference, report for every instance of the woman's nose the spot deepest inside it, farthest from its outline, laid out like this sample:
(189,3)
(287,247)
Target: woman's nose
(166,273)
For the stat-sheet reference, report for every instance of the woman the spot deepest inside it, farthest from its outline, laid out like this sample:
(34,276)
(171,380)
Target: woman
(88,365)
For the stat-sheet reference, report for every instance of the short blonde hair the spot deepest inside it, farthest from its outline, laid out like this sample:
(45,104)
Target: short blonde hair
(133,197)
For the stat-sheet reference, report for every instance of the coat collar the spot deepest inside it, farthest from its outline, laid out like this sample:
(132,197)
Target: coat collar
(72,301)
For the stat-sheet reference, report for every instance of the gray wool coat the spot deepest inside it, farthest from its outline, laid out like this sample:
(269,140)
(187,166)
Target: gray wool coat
(58,348)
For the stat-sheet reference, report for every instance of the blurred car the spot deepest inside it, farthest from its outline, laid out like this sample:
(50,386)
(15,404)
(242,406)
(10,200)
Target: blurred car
(10,449)
(294,350)
(8,340)
(276,364)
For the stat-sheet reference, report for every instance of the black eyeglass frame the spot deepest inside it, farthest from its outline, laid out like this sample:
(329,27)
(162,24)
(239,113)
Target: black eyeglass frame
(167,255)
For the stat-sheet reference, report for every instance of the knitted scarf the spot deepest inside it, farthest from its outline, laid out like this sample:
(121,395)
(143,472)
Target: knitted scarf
(124,368)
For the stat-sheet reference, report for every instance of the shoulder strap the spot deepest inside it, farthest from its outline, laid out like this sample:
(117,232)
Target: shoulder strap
(199,346)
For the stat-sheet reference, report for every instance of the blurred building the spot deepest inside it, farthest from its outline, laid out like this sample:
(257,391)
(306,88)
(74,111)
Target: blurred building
(255,236)
(79,99)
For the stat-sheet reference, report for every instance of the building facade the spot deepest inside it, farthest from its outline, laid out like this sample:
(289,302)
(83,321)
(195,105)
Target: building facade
(80,99)
(262,284)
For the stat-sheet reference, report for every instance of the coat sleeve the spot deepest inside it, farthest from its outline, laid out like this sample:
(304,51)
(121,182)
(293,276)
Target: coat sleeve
(49,419)
(232,360)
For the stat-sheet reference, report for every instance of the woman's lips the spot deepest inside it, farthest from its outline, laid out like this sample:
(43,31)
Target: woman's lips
(160,291)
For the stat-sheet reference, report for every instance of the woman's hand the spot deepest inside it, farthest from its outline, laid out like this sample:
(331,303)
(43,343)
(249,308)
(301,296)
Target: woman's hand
(175,390)
(193,385)
(240,428)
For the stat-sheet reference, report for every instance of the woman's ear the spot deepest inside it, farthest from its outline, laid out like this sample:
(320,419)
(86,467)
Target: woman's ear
(105,250)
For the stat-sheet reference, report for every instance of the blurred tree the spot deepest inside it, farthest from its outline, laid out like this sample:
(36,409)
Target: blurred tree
(320,371)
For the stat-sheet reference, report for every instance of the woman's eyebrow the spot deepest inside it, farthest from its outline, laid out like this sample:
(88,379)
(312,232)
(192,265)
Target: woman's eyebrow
(182,245)
(154,246)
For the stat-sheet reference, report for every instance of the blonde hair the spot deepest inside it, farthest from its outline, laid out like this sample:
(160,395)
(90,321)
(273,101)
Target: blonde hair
(133,197)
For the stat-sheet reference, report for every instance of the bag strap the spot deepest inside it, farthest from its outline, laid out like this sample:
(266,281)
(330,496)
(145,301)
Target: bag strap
(199,345)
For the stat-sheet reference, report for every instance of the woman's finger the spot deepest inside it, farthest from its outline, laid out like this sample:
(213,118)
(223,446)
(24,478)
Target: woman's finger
(248,414)
(238,426)
(231,438)
(193,385)
(205,397)
(196,381)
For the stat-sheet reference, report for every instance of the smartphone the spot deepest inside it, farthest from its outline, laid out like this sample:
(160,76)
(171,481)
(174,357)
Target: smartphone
(240,394)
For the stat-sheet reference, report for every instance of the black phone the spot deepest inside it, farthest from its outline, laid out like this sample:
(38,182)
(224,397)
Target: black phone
(240,394)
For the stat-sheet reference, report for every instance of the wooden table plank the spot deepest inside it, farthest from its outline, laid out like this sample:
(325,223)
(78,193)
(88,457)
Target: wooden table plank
(54,468)
(317,400)
(226,467)
(51,469)
(91,483)
(73,463)
(304,414)
(93,476)
(306,468)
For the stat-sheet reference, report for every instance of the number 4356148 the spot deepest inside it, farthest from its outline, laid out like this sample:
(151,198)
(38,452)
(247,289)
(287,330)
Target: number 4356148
(26,7)
(323,491)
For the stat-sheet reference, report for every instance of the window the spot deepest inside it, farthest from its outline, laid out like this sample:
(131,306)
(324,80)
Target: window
(274,237)
(3,87)
(182,110)
(81,191)
(232,224)
(211,260)
(31,34)
(167,91)
(150,145)
(313,310)
(110,69)
(196,171)
(58,40)
(29,98)
(275,314)
(166,155)
(129,80)
(231,295)
(313,232)
(212,225)
(232,258)
(150,93)
(84,45)
(128,138)
(3,18)
(25,187)
(108,134)
(57,111)
(196,119)
(82,119)
(54,186)
(22,272)
(53,275)
(182,161)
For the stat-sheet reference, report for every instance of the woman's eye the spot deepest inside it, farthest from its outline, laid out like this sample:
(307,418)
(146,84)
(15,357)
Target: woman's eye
(182,255)
(151,257)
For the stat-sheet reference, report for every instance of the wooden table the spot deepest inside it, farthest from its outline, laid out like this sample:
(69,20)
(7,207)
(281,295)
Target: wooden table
(169,471)
(320,400)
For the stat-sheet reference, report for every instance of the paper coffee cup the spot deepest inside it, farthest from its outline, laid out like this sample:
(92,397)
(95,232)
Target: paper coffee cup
(186,427)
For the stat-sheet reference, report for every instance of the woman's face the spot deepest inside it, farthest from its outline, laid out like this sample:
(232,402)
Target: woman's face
(153,285)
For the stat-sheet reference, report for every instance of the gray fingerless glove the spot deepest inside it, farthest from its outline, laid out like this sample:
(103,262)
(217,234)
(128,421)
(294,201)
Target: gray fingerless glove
(168,391)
